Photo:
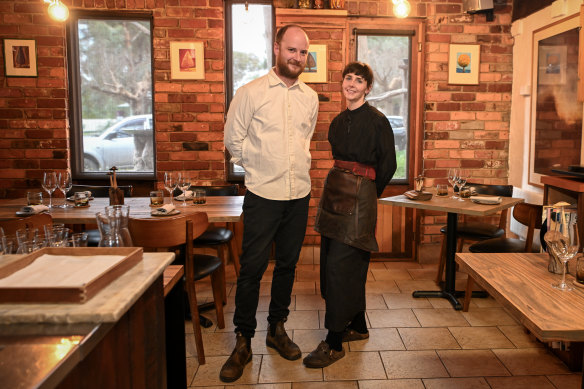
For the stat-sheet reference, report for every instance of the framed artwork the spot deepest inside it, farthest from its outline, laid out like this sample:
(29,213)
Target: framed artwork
(552,64)
(315,70)
(20,58)
(187,61)
(463,64)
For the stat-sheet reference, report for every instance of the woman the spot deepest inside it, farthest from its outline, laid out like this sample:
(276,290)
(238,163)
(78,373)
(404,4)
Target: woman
(362,144)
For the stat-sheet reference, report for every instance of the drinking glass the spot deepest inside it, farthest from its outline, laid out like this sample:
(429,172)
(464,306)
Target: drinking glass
(184,183)
(49,185)
(564,243)
(170,184)
(64,184)
(453,180)
(461,179)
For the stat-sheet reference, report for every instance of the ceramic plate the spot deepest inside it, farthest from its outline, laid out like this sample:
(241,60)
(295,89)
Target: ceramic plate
(21,213)
(172,213)
(72,199)
(485,202)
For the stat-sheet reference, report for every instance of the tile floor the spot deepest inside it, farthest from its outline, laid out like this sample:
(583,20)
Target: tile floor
(414,343)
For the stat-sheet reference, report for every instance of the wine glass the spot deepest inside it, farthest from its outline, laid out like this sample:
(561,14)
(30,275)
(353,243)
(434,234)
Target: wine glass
(453,180)
(564,243)
(64,184)
(170,184)
(49,185)
(185,183)
(461,179)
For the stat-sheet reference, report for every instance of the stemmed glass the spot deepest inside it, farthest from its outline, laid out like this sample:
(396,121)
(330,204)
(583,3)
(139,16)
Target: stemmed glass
(49,185)
(453,180)
(64,184)
(461,181)
(564,243)
(185,183)
(170,184)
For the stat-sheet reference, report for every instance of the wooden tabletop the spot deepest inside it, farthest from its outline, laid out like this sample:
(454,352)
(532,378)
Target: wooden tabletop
(218,209)
(447,204)
(522,284)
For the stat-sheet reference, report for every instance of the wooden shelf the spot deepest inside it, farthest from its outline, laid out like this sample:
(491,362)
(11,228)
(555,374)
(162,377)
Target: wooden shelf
(311,12)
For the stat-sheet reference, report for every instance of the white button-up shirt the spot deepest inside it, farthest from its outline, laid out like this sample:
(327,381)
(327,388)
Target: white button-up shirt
(268,131)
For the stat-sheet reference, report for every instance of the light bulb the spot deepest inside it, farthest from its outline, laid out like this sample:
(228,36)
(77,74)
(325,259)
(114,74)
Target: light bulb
(402,9)
(58,11)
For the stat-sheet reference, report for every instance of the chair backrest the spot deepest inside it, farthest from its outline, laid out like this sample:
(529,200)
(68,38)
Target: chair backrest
(34,221)
(529,215)
(219,190)
(166,232)
(100,190)
(495,190)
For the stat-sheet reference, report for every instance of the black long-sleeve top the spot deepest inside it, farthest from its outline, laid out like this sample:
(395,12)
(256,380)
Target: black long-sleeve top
(364,135)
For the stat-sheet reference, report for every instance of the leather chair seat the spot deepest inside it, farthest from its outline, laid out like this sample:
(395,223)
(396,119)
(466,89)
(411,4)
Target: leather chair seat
(214,236)
(476,231)
(204,265)
(501,245)
(93,238)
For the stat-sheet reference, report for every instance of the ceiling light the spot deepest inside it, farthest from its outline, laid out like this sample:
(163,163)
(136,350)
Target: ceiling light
(401,8)
(57,10)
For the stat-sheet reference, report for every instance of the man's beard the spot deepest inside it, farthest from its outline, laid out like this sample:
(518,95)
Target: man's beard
(285,71)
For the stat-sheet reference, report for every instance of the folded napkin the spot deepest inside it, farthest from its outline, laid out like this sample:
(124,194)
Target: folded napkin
(166,208)
(487,199)
(187,194)
(34,209)
(415,195)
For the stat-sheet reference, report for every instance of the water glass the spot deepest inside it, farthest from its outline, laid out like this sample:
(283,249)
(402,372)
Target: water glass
(199,197)
(79,239)
(441,190)
(156,198)
(34,198)
(81,199)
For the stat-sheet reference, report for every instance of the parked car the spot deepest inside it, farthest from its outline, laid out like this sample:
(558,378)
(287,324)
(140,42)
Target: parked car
(399,131)
(115,146)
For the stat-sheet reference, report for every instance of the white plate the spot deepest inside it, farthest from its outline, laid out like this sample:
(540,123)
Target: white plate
(171,213)
(21,213)
(485,202)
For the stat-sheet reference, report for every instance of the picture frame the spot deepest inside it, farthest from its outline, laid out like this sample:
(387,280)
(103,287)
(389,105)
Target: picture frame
(187,61)
(316,69)
(464,64)
(552,65)
(20,58)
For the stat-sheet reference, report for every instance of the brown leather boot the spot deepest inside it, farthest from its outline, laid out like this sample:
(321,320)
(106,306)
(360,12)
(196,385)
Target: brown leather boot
(322,356)
(233,368)
(282,343)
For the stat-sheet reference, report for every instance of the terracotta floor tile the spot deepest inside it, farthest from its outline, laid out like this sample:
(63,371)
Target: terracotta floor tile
(443,317)
(472,363)
(488,302)
(530,361)
(423,274)
(208,374)
(302,320)
(488,317)
(380,287)
(405,300)
(456,383)
(385,274)
(392,318)
(304,287)
(407,286)
(192,366)
(380,339)
(391,384)
(566,381)
(277,369)
(326,385)
(412,364)
(427,338)
(520,382)
(355,366)
(402,265)
(307,273)
(307,340)
(287,385)
(480,337)
(375,301)
(306,302)
(519,337)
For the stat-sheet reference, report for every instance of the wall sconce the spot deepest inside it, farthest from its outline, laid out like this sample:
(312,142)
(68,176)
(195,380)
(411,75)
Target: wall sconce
(401,8)
(57,10)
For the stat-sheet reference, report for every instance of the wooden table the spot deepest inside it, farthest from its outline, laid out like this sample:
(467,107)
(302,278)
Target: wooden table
(218,209)
(522,284)
(453,207)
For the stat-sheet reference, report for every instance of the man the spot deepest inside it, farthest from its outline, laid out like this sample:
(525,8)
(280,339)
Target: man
(268,130)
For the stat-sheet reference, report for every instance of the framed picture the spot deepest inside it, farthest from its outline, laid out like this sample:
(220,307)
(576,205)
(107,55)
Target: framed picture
(187,61)
(315,70)
(20,58)
(552,64)
(463,64)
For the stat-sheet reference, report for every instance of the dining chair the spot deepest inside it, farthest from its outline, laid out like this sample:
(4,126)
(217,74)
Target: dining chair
(472,230)
(176,233)
(33,221)
(93,235)
(526,214)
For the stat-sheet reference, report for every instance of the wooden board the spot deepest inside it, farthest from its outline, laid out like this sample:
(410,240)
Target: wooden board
(56,289)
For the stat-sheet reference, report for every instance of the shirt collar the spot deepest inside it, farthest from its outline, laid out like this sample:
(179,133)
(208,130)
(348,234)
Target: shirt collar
(275,80)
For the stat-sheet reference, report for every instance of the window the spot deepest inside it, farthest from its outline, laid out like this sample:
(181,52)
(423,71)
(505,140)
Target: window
(249,51)
(110,72)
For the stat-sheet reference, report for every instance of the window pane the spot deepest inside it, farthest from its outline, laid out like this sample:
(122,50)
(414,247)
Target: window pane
(116,94)
(389,57)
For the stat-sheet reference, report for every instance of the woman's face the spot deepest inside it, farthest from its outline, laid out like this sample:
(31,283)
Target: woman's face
(354,88)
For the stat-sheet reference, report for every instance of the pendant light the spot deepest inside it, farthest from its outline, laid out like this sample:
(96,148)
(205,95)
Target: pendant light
(57,10)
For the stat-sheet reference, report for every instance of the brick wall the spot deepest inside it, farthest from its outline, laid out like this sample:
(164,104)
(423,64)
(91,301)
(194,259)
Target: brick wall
(464,126)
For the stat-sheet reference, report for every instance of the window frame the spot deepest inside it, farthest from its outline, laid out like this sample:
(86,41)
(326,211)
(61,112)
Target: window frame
(75,116)
(233,176)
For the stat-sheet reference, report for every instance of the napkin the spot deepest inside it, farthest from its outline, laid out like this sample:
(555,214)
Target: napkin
(187,194)
(32,209)
(487,199)
(166,208)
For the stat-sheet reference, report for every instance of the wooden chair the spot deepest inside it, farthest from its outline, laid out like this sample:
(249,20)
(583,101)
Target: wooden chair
(475,231)
(33,221)
(528,215)
(172,233)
